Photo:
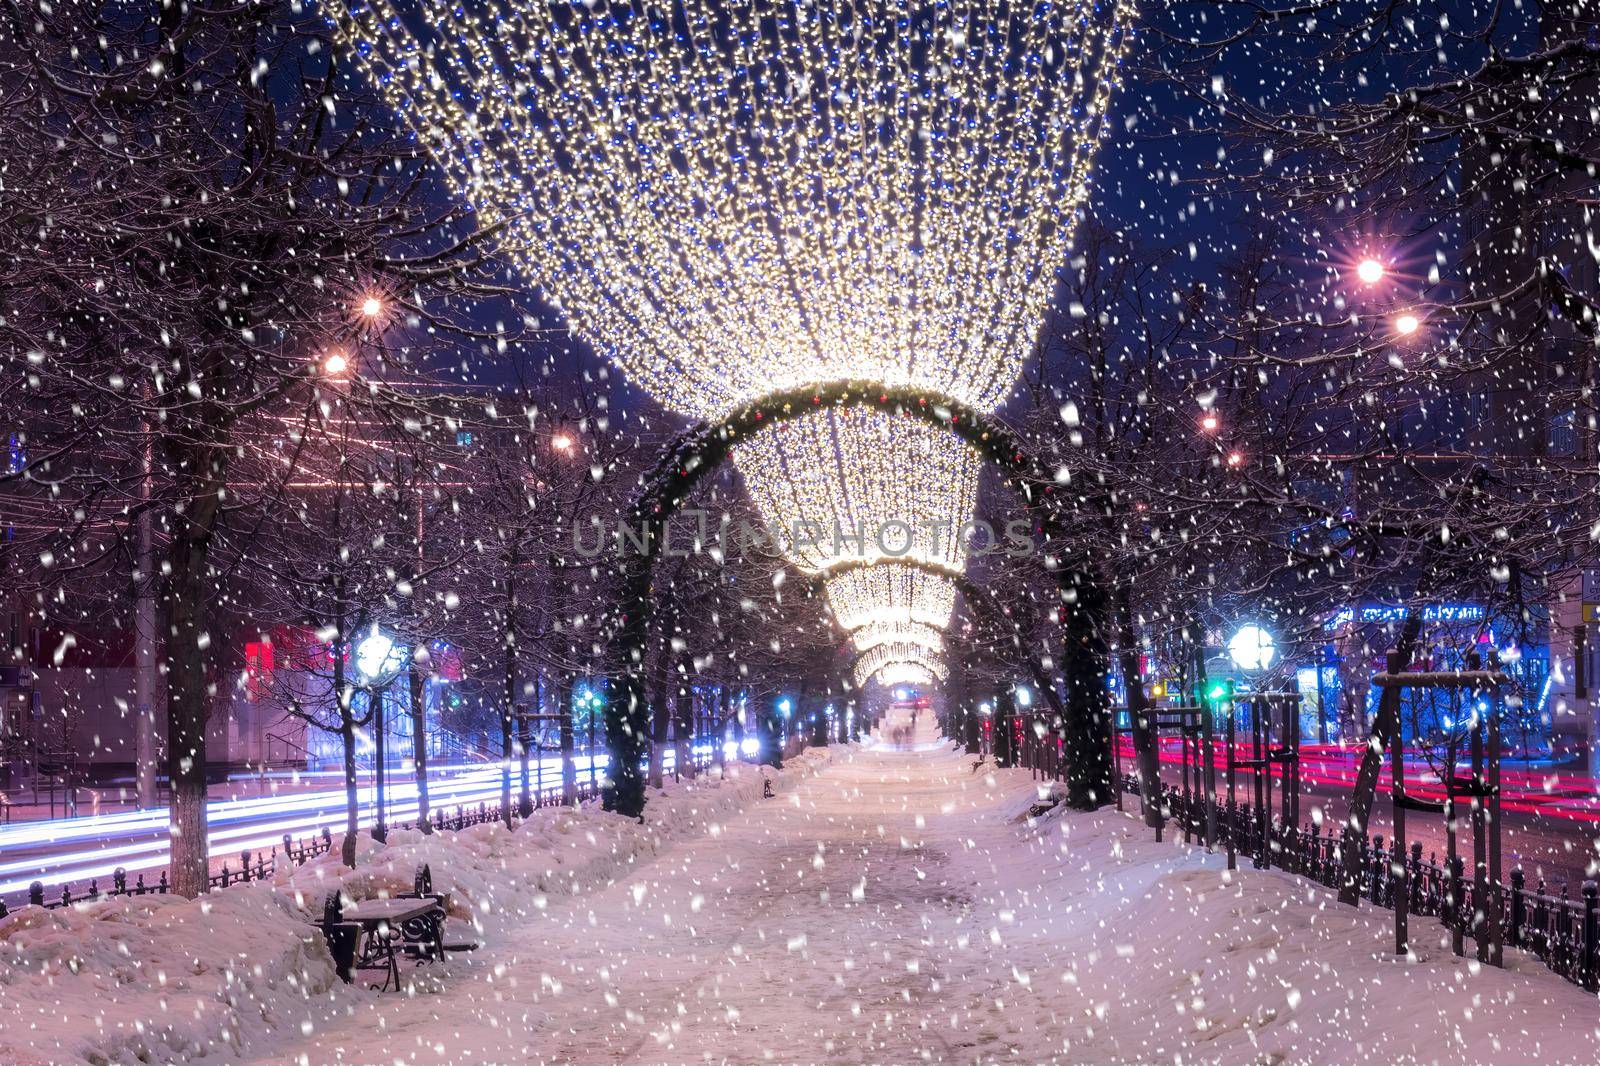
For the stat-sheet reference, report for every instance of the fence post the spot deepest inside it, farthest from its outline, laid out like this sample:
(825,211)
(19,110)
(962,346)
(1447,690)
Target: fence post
(36,894)
(1590,965)
(1519,908)
(1458,887)
(1380,866)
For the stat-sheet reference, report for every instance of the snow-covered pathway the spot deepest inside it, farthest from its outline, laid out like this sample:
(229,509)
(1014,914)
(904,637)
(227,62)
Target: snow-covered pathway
(897,907)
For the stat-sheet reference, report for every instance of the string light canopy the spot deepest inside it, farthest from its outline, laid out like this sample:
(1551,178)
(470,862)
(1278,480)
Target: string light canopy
(731,200)
(890,594)
(855,486)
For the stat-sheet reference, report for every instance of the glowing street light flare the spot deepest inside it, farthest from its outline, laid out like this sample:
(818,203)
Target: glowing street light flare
(1252,648)
(372,307)
(1407,324)
(377,656)
(1370,271)
(335,364)
(1210,422)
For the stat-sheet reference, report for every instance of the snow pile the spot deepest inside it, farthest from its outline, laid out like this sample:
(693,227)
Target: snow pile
(164,979)
(497,877)
(155,978)
(1150,951)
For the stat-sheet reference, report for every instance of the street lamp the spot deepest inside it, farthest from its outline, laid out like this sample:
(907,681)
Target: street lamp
(1252,648)
(335,364)
(1407,324)
(1370,271)
(372,307)
(378,660)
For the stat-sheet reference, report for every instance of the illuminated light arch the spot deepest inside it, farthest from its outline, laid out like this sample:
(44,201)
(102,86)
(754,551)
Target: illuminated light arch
(870,662)
(728,201)
(700,451)
(873,634)
(902,672)
(733,201)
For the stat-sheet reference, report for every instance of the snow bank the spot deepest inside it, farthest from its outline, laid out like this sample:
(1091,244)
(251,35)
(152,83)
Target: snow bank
(1156,952)
(163,979)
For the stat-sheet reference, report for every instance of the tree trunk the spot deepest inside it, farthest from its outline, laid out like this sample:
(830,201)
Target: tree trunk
(1005,714)
(1145,752)
(683,729)
(343,696)
(188,706)
(1384,726)
(719,727)
(1084,663)
(419,741)
(660,716)
(508,709)
(507,740)
(569,762)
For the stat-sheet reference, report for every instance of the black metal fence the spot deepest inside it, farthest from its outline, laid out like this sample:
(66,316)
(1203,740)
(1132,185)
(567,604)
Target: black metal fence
(1561,931)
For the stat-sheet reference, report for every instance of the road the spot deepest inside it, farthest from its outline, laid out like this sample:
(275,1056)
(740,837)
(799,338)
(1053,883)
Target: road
(78,850)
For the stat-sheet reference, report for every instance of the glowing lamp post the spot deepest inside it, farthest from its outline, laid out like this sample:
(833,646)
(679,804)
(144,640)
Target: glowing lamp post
(378,660)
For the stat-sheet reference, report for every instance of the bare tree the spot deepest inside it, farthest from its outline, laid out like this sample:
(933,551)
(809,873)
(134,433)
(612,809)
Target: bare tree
(197,209)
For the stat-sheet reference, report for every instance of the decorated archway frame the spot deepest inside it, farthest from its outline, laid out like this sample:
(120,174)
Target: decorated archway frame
(702,450)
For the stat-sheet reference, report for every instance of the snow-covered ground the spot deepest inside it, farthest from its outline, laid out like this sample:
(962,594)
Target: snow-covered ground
(897,906)
(161,979)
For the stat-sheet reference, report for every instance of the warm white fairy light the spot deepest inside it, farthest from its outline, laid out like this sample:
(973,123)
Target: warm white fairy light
(878,659)
(887,593)
(858,486)
(893,674)
(873,634)
(730,200)
(733,200)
